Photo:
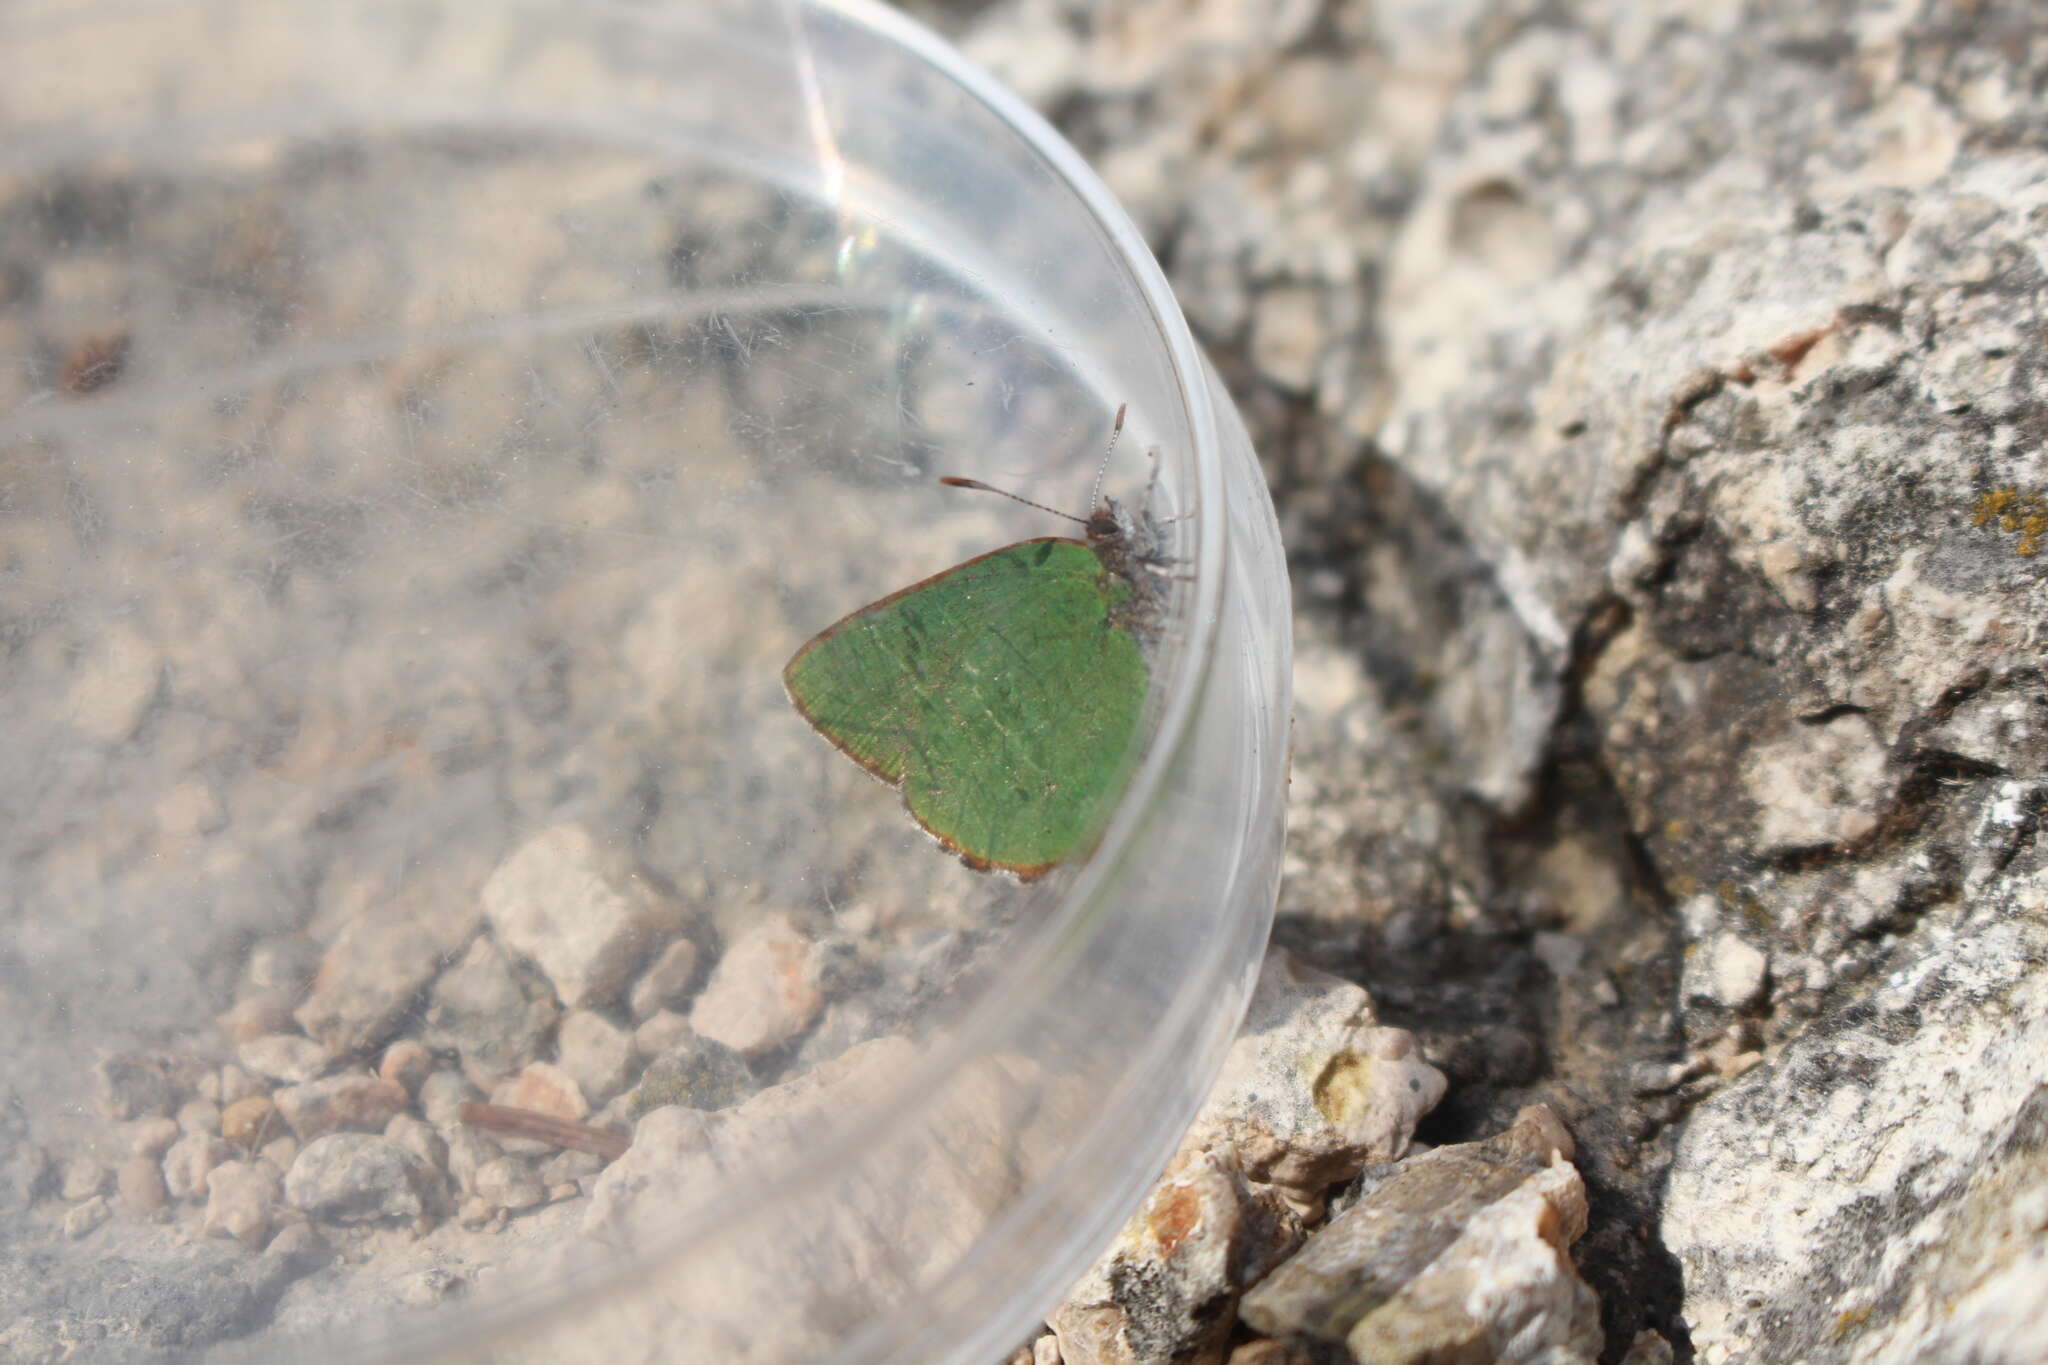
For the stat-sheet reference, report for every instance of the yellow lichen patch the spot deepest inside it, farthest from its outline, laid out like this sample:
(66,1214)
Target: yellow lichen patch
(2024,515)
(1343,1088)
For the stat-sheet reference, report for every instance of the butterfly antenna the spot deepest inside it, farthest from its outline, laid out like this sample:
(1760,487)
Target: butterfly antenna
(1116,429)
(951,482)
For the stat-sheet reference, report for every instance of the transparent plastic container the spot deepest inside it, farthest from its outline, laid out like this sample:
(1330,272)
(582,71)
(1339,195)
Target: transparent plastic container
(427,428)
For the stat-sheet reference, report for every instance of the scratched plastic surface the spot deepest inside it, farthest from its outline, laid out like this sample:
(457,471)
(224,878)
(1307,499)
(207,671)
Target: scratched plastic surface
(424,426)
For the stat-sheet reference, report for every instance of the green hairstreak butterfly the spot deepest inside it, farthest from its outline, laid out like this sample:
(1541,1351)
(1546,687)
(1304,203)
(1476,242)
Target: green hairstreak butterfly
(1003,696)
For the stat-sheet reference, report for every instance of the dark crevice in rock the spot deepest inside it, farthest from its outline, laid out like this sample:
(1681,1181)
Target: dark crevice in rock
(1486,1008)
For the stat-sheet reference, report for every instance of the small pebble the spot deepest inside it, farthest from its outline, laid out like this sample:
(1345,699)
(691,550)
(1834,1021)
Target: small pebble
(188,1162)
(474,1213)
(579,910)
(237,1084)
(567,1189)
(597,1053)
(281,1152)
(83,1178)
(442,1094)
(660,1033)
(417,1136)
(260,1015)
(508,1183)
(209,1087)
(358,1178)
(140,1184)
(570,1166)
(545,1088)
(469,1151)
(149,1137)
(408,1063)
(239,1198)
(496,1013)
(666,982)
(763,992)
(87,1216)
(356,1102)
(285,1057)
(697,1073)
(199,1116)
(368,981)
(248,1120)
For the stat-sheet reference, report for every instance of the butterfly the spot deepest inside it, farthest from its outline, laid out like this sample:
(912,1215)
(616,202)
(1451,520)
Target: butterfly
(1004,696)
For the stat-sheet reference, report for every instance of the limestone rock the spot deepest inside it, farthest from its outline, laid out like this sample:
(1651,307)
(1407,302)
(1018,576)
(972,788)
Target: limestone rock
(359,1102)
(139,1182)
(357,1178)
(286,1057)
(494,1014)
(1460,1253)
(578,911)
(666,981)
(1167,1289)
(188,1162)
(763,992)
(1314,1088)
(694,1072)
(1311,1091)
(368,980)
(596,1053)
(240,1196)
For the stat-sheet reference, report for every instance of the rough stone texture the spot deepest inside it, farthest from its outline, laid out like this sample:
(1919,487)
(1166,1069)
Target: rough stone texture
(495,1015)
(694,1072)
(84,1218)
(362,1103)
(286,1057)
(358,1178)
(764,991)
(179,1299)
(370,978)
(240,1196)
(506,1182)
(1314,1088)
(187,1162)
(583,915)
(666,981)
(248,1121)
(139,1181)
(547,1088)
(1167,1289)
(407,1062)
(596,1053)
(1460,1253)
(1310,1093)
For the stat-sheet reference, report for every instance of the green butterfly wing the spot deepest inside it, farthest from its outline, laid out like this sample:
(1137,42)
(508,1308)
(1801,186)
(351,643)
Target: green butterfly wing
(999,695)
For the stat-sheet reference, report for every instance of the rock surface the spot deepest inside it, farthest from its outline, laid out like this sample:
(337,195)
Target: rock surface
(358,1178)
(1460,1253)
(1310,1093)
(578,911)
(763,992)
